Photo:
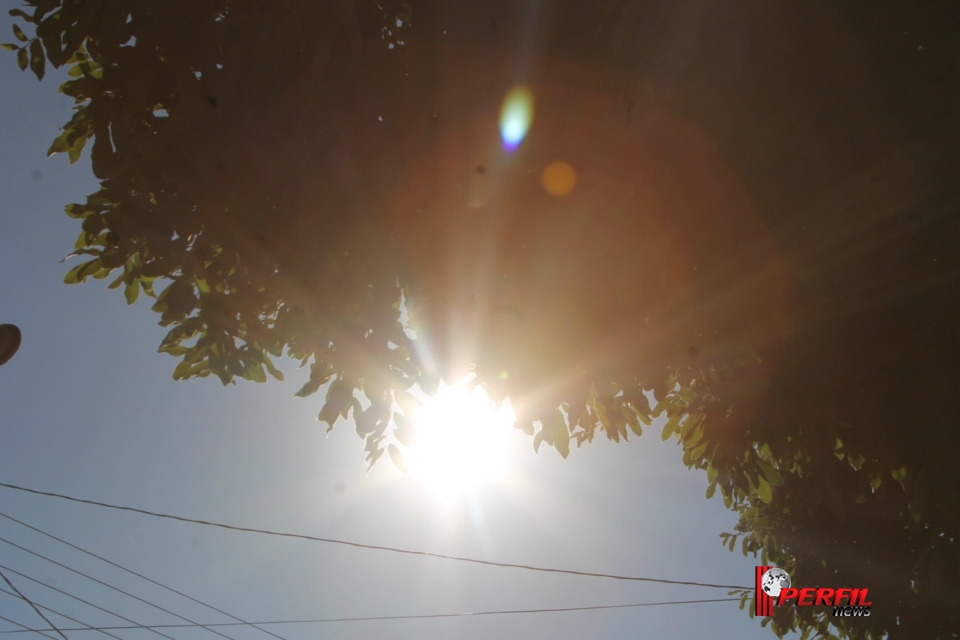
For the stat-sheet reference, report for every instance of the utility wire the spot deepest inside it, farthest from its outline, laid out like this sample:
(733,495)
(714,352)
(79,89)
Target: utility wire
(359,545)
(86,627)
(23,626)
(139,575)
(29,602)
(27,629)
(70,595)
(421,617)
(110,586)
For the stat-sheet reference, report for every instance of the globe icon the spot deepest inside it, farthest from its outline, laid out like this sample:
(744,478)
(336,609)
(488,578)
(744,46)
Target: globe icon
(773,581)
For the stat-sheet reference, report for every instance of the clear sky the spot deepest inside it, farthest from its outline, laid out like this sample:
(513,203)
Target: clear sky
(89,408)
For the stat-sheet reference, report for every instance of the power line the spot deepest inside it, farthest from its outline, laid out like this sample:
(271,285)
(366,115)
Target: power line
(360,545)
(86,627)
(79,599)
(415,617)
(29,602)
(110,586)
(139,575)
(28,629)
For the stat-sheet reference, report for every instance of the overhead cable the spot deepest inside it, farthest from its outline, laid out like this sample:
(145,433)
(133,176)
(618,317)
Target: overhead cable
(86,627)
(137,625)
(413,617)
(110,586)
(30,602)
(360,545)
(139,575)
(23,626)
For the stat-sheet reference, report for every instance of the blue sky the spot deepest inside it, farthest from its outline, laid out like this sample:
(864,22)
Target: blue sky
(89,408)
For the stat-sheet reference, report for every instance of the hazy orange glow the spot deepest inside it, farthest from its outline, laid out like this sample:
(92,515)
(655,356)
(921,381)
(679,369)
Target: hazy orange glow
(616,237)
(558,178)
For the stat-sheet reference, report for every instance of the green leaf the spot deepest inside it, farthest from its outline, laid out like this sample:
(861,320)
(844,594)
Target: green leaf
(670,427)
(61,145)
(601,411)
(23,60)
(657,410)
(132,291)
(320,374)
(711,490)
(181,370)
(901,475)
(256,373)
(771,473)
(9,47)
(697,453)
(186,330)
(838,449)
(174,350)
(268,363)
(77,148)
(856,461)
(764,490)
(632,419)
(191,369)
(692,431)
(80,272)
(38,61)
(19,34)
(753,485)
(198,353)
(712,473)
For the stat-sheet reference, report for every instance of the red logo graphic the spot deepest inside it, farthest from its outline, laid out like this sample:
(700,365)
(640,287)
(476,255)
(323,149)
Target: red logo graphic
(774,584)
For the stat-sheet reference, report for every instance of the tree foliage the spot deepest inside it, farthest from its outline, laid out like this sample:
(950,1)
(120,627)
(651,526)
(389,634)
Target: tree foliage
(762,233)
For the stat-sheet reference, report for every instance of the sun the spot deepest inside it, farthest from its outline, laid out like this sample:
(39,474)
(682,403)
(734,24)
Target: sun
(462,439)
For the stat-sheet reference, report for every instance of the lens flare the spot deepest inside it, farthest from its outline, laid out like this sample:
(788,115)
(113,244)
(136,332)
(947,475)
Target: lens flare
(463,440)
(558,178)
(516,116)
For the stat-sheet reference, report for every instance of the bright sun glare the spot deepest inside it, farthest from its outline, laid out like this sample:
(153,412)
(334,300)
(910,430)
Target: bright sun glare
(462,439)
